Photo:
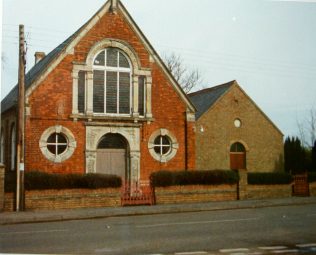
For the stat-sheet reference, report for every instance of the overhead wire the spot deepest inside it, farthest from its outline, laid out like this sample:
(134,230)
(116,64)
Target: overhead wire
(207,59)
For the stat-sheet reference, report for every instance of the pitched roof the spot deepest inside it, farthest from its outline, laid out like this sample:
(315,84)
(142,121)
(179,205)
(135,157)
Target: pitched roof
(11,99)
(205,98)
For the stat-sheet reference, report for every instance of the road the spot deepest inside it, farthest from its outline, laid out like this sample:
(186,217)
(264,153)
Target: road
(229,232)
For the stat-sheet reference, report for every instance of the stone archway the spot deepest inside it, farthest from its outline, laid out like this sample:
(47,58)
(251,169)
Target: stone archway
(112,156)
(131,134)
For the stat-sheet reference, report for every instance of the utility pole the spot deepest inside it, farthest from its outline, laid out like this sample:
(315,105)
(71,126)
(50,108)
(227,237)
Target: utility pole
(20,124)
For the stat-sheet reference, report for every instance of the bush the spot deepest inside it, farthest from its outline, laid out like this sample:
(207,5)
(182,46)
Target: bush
(10,181)
(211,177)
(40,181)
(161,179)
(269,178)
(311,177)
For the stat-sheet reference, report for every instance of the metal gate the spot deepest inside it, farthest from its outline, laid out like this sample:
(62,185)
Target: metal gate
(135,194)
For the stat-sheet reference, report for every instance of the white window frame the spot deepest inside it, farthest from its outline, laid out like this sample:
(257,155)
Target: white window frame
(137,70)
(57,158)
(173,149)
(117,70)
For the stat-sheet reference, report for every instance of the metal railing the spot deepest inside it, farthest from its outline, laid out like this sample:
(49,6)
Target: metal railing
(135,194)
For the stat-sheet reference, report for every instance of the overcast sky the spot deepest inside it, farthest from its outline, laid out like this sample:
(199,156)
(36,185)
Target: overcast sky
(267,46)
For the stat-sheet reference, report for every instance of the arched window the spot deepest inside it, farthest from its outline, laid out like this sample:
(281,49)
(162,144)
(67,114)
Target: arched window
(111,82)
(237,147)
(13,147)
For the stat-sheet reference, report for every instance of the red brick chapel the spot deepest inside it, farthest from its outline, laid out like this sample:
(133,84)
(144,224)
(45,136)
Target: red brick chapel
(102,102)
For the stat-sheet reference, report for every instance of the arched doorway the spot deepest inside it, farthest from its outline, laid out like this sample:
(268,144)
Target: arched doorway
(112,156)
(237,156)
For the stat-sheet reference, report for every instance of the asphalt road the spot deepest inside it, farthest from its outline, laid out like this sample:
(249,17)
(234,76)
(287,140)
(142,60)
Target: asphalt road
(211,232)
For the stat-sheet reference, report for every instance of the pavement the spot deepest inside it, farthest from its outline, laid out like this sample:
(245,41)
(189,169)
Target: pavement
(94,213)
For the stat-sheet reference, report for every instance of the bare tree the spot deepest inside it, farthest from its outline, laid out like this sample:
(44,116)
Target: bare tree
(186,77)
(307,129)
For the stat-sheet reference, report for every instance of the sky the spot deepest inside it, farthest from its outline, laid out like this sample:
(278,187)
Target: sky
(268,46)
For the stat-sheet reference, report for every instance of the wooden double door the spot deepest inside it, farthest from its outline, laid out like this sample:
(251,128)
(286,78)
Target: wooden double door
(112,156)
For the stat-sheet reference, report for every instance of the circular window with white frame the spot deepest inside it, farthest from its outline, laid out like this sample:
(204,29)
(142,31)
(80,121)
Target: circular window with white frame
(163,145)
(57,143)
(237,123)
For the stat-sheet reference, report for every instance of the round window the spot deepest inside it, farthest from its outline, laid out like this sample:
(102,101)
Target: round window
(237,123)
(162,145)
(57,143)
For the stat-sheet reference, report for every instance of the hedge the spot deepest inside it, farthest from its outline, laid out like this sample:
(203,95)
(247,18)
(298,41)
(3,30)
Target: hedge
(211,177)
(269,178)
(312,177)
(36,180)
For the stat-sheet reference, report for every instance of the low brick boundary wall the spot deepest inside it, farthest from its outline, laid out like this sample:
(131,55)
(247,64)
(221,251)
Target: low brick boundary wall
(195,194)
(84,198)
(269,191)
(67,199)
(312,189)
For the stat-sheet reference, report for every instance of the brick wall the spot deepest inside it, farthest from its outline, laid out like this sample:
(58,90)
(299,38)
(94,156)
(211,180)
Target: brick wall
(312,189)
(81,198)
(269,191)
(51,104)
(67,199)
(195,194)
(263,141)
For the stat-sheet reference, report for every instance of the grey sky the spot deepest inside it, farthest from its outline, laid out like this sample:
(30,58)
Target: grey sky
(267,46)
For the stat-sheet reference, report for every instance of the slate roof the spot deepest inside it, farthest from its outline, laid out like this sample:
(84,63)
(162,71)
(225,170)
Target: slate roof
(205,98)
(11,99)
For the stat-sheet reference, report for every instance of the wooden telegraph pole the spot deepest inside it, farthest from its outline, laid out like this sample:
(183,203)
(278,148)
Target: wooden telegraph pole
(20,124)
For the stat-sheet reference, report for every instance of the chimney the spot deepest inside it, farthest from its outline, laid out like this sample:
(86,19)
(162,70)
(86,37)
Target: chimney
(39,56)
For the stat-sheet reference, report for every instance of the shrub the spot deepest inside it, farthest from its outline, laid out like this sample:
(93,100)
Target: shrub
(10,181)
(39,181)
(211,177)
(311,177)
(161,179)
(95,181)
(269,178)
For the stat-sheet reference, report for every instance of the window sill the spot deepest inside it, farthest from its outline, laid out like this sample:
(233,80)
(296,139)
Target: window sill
(95,117)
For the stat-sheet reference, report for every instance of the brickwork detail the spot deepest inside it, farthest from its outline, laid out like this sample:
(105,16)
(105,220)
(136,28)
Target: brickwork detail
(195,194)
(243,184)
(67,199)
(312,189)
(269,191)
(50,103)
(216,132)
